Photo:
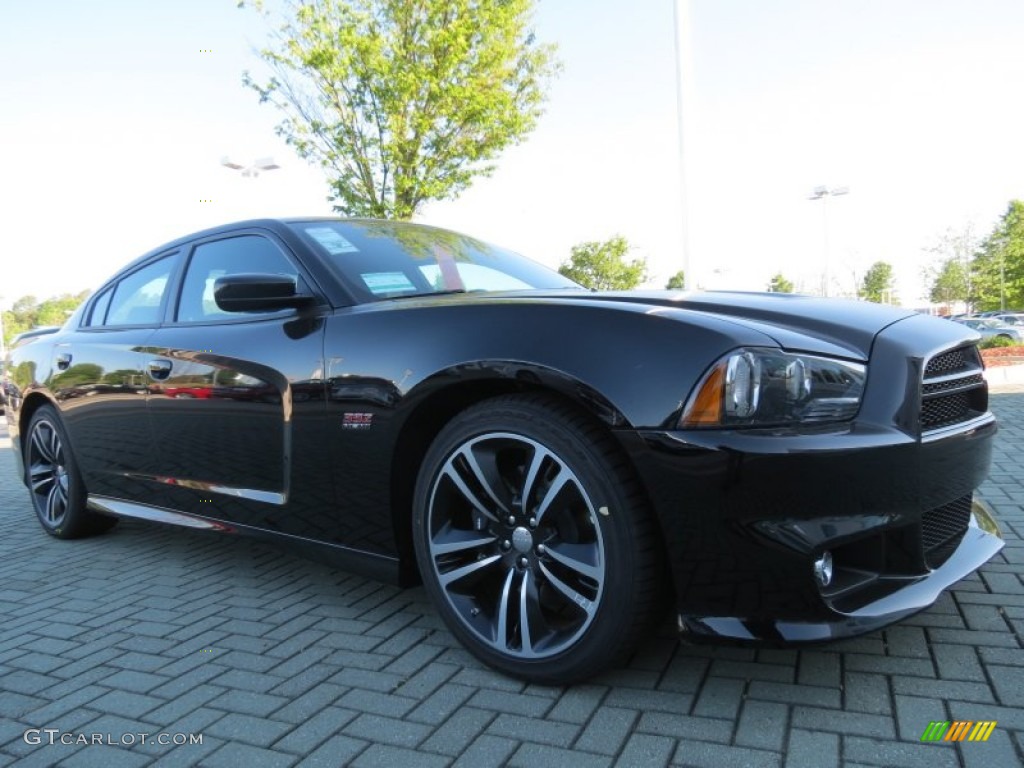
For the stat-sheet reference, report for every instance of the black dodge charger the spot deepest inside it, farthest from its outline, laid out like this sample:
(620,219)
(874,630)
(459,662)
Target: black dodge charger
(554,464)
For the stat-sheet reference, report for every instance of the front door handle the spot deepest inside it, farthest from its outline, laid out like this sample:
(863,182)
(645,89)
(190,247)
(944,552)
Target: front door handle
(63,361)
(159,369)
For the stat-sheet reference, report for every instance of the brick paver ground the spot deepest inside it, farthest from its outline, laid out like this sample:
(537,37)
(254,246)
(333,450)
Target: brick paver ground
(278,661)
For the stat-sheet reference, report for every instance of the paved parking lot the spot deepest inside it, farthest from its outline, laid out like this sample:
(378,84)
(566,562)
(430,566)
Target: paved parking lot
(277,661)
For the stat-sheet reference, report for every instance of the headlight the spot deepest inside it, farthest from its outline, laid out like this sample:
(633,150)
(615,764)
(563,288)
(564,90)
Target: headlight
(754,387)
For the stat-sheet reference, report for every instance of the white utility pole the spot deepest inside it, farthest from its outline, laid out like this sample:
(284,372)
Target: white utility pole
(3,347)
(684,112)
(823,193)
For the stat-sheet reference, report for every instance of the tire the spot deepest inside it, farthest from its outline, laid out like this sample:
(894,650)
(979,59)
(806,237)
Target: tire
(535,541)
(54,482)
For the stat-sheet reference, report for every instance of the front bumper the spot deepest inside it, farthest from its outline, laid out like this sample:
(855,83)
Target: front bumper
(745,514)
(902,597)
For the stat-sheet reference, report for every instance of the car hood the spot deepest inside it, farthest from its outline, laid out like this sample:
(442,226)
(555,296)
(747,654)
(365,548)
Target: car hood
(835,327)
(830,327)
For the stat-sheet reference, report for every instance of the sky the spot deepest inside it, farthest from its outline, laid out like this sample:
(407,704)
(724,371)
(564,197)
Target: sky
(114,116)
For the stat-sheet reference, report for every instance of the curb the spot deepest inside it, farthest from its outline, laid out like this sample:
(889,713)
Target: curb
(1005,374)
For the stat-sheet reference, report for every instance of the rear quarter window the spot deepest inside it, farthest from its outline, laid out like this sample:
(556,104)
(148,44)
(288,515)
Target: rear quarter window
(137,298)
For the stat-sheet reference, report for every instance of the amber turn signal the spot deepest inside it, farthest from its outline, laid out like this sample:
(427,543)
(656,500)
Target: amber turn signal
(706,408)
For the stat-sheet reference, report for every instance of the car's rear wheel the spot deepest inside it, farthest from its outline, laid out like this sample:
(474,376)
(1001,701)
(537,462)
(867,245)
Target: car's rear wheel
(54,482)
(535,541)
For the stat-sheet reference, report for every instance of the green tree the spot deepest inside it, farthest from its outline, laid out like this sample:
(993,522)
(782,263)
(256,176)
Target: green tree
(404,101)
(950,279)
(878,283)
(780,284)
(998,268)
(19,318)
(603,266)
(950,283)
(28,313)
(677,282)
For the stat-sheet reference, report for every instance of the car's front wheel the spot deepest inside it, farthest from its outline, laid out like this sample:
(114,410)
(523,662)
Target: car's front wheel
(54,482)
(535,541)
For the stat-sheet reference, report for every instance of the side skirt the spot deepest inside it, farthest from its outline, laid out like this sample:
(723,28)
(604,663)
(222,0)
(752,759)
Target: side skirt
(379,567)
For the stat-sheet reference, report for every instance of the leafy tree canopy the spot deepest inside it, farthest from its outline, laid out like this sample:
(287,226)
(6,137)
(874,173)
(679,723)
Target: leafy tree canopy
(603,266)
(779,284)
(677,282)
(950,278)
(404,101)
(950,283)
(28,313)
(878,283)
(998,268)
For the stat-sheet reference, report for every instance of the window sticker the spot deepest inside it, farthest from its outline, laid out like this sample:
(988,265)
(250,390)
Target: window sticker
(387,282)
(331,240)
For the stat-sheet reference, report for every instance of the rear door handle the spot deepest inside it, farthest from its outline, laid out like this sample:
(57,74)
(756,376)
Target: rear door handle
(159,369)
(63,361)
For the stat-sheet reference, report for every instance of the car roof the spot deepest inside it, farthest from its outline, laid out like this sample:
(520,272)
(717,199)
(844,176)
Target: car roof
(280,226)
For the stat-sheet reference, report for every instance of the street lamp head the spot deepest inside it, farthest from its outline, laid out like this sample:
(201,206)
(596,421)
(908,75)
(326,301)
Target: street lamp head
(823,192)
(250,171)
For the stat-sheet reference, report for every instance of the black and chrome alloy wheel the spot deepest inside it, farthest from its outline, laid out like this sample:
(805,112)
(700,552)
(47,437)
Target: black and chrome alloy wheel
(47,472)
(58,493)
(526,541)
(515,544)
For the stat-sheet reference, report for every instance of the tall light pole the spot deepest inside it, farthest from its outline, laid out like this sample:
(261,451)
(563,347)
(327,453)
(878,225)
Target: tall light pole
(684,57)
(3,346)
(823,193)
(248,201)
(1002,276)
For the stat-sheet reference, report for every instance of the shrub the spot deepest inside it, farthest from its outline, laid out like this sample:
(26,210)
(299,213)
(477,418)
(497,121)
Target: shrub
(996,341)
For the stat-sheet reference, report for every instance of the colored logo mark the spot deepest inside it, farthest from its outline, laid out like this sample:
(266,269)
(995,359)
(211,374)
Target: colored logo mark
(357,421)
(959,730)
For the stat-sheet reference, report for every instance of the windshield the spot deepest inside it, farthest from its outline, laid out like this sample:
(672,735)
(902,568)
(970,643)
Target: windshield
(384,260)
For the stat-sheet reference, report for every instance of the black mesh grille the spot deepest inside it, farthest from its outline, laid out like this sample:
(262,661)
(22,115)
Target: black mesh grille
(955,360)
(942,528)
(945,410)
(930,387)
(953,390)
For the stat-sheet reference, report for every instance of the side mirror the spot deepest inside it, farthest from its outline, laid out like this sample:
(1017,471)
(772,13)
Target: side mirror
(257,292)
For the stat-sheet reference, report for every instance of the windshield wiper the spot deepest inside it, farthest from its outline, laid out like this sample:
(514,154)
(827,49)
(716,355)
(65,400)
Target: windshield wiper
(428,293)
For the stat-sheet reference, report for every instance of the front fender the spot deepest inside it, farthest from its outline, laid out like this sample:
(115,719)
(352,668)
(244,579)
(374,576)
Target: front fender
(636,364)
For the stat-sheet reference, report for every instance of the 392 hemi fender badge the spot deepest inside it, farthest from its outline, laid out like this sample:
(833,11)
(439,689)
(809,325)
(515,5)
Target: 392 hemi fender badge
(356,420)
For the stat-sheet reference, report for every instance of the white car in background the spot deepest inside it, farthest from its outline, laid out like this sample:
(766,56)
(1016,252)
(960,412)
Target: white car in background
(990,327)
(1016,319)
